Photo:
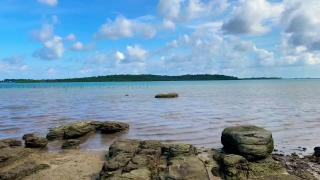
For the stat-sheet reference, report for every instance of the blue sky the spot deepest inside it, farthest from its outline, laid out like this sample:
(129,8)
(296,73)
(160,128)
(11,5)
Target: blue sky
(63,38)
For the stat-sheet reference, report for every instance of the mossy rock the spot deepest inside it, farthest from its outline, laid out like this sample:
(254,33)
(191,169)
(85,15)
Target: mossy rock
(252,142)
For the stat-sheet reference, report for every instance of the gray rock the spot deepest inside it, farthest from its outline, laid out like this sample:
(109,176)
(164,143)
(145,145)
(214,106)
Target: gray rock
(71,144)
(35,142)
(110,127)
(249,141)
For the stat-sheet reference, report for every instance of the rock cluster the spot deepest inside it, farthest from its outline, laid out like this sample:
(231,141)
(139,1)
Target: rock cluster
(246,155)
(79,129)
(133,159)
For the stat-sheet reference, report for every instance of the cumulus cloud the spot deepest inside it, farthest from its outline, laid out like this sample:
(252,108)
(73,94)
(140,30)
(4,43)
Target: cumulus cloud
(177,11)
(52,49)
(122,27)
(49,2)
(301,37)
(78,46)
(43,34)
(12,64)
(71,37)
(252,17)
(137,53)
(119,56)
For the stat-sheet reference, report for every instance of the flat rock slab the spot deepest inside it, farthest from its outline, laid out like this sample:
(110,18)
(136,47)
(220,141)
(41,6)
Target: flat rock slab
(22,170)
(252,142)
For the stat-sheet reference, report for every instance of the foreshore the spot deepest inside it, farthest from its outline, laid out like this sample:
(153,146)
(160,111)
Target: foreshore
(247,153)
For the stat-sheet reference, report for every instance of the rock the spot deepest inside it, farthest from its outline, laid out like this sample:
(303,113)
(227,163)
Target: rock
(10,143)
(235,167)
(35,142)
(22,170)
(187,167)
(111,127)
(133,159)
(79,129)
(252,142)
(169,95)
(70,131)
(317,152)
(3,145)
(298,167)
(9,155)
(71,144)
(24,137)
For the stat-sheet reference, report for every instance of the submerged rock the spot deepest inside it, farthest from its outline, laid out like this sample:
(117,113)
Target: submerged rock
(22,170)
(35,142)
(252,142)
(71,144)
(169,95)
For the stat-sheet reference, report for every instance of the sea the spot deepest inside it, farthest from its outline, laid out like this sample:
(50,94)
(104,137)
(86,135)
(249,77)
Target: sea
(290,109)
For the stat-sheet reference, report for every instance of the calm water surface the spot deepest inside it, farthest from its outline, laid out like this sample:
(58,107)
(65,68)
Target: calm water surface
(289,108)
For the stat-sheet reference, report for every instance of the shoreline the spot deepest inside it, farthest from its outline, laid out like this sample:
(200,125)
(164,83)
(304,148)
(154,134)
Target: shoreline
(248,153)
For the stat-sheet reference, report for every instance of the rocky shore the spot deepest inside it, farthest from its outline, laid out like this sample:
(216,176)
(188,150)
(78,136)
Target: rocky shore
(247,153)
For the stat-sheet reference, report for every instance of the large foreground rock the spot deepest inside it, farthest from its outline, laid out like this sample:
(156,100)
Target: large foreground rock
(252,142)
(79,129)
(133,159)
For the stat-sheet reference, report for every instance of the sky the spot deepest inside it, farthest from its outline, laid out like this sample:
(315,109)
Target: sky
(45,39)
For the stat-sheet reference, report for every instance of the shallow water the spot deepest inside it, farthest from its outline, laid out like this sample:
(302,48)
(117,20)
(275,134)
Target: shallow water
(289,108)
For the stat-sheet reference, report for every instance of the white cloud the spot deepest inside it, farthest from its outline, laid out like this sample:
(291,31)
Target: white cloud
(252,17)
(71,37)
(12,64)
(136,52)
(168,24)
(196,8)
(49,2)
(301,37)
(119,56)
(169,9)
(52,49)
(46,32)
(122,27)
(78,46)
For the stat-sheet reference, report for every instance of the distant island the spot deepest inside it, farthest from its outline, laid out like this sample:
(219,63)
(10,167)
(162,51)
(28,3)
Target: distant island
(143,77)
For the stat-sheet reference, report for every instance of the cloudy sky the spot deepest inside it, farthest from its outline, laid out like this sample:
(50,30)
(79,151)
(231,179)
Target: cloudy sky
(245,38)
